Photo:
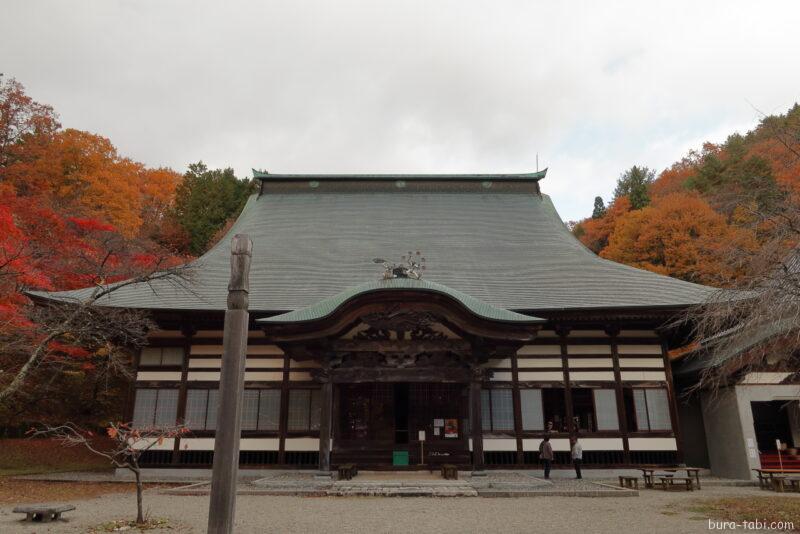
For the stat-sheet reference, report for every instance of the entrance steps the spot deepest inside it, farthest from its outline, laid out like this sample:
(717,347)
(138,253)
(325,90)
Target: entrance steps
(445,488)
(401,484)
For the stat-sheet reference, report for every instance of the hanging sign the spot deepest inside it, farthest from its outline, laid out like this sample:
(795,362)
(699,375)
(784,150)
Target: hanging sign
(421,435)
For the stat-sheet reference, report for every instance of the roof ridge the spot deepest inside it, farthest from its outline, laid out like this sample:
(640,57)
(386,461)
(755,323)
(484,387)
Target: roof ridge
(525,176)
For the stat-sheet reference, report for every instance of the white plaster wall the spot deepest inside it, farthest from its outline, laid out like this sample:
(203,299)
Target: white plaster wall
(558,444)
(147,376)
(499,444)
(259,444)
(652,444)
(301,444)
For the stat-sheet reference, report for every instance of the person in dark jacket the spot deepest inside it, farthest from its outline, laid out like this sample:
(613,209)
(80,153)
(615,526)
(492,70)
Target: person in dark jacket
(546,456)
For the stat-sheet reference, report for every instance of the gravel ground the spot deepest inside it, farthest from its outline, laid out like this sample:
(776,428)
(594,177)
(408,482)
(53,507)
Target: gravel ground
(645,513)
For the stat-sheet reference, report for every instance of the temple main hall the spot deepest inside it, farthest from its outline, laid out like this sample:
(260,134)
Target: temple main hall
(405,321)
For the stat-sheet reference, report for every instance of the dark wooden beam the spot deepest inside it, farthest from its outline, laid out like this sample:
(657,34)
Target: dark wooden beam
(402,346)
(412,374)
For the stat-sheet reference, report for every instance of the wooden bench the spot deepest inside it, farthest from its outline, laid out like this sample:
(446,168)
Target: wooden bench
(449,472)
(43,512)
(347,471)
(691,472)
(778,483)
(669,483)
(629,482)
(794,483)
(765,476)
(649,474)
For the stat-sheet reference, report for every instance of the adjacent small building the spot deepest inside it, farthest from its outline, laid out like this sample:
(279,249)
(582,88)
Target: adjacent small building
(512,330)
(752,420)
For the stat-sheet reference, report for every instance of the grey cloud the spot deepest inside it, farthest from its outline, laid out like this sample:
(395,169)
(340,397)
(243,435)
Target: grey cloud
(407,86)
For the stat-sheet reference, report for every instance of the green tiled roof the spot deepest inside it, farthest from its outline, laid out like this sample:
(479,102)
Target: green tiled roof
(329,305)
(506,248)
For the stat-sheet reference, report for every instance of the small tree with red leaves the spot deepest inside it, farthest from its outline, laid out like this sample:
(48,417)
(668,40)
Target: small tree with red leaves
(127,444)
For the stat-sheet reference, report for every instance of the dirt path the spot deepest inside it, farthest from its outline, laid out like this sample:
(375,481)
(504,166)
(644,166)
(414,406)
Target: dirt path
(652,511)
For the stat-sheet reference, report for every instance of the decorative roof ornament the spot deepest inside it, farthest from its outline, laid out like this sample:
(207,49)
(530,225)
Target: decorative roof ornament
(410,266)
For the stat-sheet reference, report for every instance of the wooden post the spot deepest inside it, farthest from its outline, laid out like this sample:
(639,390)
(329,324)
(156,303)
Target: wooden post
(476,422)
(222,508)
(325,427)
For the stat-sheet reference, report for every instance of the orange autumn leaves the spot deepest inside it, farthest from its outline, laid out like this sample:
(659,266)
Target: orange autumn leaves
(82,173)
(65,196)
(677,235)
(711,212)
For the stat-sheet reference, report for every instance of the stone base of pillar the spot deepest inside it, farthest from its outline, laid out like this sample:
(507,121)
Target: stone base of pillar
(323,475)
(479,473)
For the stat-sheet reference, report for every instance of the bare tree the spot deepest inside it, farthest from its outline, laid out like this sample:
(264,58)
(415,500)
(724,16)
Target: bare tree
(128,443)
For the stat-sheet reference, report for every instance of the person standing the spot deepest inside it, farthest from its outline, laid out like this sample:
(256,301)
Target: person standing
(546,456)
(577,456)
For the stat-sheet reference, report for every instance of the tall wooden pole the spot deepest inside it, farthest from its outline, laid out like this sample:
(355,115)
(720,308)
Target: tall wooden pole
(222,508)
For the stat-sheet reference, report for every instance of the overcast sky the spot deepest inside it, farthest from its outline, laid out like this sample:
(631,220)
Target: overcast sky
(409,86)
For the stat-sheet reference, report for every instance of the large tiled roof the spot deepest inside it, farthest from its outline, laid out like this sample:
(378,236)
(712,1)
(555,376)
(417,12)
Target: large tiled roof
(505,247)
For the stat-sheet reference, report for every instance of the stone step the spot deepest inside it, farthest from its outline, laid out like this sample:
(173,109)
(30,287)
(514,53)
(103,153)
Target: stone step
(408,490)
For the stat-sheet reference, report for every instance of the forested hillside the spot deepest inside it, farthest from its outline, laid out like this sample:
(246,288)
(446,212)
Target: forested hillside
(702,217)
(74,212)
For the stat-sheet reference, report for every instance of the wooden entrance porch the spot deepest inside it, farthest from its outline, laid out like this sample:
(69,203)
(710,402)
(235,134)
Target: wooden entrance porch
(397,359)
(375,421)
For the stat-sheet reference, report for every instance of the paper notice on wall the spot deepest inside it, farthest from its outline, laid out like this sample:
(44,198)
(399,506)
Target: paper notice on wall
(436,431)
(751,452)
(750,443)
(438,422)
(451,428)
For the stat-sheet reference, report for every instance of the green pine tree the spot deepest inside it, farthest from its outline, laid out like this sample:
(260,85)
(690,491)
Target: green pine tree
(634,183)
(206,200)
(599,208)
(736,178)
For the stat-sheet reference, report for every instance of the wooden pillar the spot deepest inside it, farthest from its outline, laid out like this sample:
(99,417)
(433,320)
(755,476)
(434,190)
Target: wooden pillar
(613,332)
(231,386)
(517,402)
(673,401)
(188,331)
(476,421)
(325,425)
(283,423)
(563,332)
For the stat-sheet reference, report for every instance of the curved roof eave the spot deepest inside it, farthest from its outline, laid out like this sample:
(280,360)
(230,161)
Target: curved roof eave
(330,305)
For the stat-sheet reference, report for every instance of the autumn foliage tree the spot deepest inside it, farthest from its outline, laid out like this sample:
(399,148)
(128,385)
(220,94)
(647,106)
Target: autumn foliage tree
(680,236)
(24,123)
(74,213)
(720,198)
(56,337)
